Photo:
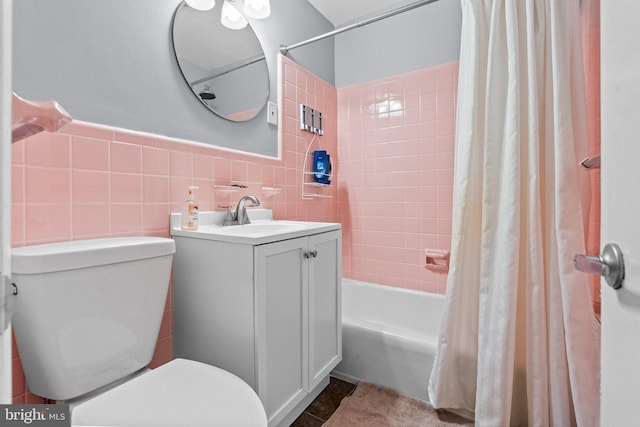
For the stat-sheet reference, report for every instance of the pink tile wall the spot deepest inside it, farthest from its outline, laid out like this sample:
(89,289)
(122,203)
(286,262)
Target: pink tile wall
(300,86)
(92,181)
(395,144)
(391,141)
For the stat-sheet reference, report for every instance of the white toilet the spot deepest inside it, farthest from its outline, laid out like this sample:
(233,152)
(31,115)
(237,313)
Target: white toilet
(87,317)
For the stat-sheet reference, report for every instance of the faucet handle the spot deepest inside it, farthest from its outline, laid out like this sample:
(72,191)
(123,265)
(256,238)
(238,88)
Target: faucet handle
(228,220)
(245,217)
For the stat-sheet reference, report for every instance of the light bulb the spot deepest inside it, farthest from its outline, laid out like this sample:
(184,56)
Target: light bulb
(201,4)
(232,18)
(257,9)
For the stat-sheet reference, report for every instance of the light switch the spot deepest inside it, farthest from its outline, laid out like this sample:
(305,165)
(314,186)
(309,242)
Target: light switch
(272,113)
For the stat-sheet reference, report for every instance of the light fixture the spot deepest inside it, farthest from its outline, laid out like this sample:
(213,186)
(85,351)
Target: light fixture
(257,9)
(231,17)
(201,4)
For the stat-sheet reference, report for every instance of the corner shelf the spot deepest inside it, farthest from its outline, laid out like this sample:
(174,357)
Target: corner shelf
(306,195)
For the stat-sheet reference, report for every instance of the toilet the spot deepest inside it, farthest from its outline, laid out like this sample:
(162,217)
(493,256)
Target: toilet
(87,317)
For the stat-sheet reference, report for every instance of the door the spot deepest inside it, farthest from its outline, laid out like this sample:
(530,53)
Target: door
(5,199)
(281,293)
(620,91)
(325,312)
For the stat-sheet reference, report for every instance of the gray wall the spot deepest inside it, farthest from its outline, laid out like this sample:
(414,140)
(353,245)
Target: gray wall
(420,38)
(112,62)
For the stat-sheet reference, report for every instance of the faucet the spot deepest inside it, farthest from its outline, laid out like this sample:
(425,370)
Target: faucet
(240,216)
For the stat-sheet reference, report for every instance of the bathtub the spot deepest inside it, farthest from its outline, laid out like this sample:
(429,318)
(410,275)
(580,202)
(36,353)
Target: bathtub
(389,336)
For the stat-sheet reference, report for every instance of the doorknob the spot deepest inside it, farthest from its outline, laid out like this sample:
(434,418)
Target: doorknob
(610,265)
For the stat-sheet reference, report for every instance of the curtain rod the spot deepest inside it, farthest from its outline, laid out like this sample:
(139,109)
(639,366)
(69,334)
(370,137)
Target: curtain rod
(223,70)
(285,49)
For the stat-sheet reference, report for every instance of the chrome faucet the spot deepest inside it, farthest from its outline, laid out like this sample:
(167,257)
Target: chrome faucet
(240,216)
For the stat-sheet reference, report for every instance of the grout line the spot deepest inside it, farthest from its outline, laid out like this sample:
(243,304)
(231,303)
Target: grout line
(316,417)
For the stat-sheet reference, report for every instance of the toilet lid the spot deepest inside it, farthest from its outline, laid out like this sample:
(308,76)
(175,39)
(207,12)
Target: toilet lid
(180,393)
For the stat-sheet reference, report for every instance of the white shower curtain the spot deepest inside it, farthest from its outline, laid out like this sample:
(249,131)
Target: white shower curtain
(519,343)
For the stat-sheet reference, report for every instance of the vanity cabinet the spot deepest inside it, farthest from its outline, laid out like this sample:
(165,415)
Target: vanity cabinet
(269,313)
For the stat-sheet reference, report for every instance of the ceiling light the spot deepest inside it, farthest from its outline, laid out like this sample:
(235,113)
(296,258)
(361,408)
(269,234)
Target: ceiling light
(231,17)
(257,9)
(201,4)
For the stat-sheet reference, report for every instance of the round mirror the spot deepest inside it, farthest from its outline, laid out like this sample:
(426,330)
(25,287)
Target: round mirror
(226,69)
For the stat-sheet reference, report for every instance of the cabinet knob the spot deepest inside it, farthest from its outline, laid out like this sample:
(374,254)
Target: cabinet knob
(311,254)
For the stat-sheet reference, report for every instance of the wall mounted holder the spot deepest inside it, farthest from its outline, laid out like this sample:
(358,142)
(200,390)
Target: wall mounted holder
(436,259)
(270,191)
(308,181)
(311,120)
(30,118)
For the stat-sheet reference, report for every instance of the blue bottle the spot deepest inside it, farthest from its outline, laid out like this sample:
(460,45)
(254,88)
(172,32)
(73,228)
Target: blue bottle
(321,167)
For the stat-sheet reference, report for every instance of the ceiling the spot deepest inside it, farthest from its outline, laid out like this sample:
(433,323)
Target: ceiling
(342,11)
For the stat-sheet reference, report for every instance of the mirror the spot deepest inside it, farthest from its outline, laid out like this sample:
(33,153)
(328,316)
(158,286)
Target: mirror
(225,69)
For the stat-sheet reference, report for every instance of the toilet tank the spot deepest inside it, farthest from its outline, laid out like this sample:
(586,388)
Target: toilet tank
(88,312)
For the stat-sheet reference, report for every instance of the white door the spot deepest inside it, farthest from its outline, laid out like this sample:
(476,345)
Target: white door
(5,197)
(325,310)
(620,59)
(281,289)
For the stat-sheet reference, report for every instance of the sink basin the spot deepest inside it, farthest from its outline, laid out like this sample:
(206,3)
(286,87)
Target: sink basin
(258,232)
(257,229)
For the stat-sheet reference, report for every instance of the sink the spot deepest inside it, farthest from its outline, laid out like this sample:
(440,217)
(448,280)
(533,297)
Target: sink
(259,231)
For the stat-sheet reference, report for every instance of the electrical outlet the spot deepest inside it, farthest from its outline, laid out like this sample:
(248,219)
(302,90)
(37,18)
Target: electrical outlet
(272,113)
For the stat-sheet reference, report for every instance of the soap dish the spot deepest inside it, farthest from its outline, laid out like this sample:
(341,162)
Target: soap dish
(270,191)
(225,190)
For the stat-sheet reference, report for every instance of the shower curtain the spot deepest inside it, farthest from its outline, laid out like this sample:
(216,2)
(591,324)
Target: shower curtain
(519,344)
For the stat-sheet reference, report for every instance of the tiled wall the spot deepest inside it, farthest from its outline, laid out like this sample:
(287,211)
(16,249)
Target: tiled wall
(92,181)
(391,140)
(300,86)
(395,142)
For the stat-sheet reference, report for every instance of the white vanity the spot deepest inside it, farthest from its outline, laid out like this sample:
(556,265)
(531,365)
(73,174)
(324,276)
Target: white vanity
(261,300)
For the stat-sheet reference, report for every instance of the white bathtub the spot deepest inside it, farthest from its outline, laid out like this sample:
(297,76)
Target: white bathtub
(389,336)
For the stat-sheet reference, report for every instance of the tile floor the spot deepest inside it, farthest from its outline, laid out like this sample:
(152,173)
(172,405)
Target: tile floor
(325,404)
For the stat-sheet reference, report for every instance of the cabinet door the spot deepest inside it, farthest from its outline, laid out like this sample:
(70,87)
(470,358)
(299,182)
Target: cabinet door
(213,305)
(325,312)
(281,273)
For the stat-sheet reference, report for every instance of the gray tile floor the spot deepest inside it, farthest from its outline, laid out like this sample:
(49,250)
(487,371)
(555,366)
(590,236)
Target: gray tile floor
(325,404)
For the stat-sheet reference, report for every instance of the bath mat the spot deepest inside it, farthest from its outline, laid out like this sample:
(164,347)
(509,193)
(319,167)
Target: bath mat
(373,406)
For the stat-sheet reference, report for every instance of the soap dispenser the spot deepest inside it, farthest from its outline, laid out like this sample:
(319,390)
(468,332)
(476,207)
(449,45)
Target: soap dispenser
(190,210)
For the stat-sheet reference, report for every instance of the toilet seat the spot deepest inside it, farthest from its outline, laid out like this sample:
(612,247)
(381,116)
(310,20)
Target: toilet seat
(179,393)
